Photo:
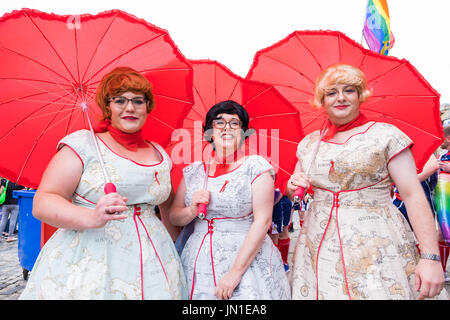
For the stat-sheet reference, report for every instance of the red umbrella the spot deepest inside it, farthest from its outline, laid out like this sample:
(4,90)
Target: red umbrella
(276,122)
(50,65)
(401,96)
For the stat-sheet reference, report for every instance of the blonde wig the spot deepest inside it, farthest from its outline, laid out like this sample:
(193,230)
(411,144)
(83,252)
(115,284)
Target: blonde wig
(340,74)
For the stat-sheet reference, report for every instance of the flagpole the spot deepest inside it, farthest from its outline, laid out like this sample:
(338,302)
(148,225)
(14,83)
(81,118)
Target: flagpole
(362,31)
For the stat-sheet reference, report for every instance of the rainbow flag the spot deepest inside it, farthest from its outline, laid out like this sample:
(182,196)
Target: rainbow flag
(377,29)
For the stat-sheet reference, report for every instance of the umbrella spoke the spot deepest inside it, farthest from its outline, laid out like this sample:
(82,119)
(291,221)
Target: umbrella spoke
(386,72)
(256,96)
(25,118)
(234,88)
(172,98)
(35,61)
(289,67)
(108,27)
(50,44)
(311,54)
(123,54)
(30,153)
(42,92)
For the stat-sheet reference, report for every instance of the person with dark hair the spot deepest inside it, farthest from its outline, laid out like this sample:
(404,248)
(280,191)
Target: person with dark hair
(10,209)
(229,255)
(109,246)
(281,219)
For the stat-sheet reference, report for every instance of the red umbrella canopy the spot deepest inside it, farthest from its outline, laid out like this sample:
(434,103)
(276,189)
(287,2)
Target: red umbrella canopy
(401,96)
(50,64)
(275,121)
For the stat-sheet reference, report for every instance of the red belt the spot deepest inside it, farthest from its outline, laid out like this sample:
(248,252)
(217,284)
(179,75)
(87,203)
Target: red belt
(137,213)
(210,232)
(336,205)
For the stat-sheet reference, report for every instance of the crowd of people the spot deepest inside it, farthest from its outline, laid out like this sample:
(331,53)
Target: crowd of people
(354,243)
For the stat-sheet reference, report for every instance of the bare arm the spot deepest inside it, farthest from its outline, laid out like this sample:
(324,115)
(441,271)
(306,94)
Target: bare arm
(429,168)
(179,213)
(52,203)
(164,209)
(262,195)
(429,274)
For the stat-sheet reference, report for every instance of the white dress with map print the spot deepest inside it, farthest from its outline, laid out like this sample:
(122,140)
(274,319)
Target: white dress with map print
(211,249)
(134,258)
(355,244)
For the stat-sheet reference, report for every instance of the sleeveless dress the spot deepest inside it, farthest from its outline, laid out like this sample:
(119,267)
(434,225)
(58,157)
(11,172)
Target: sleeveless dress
(134,258)
(354,243)
(215,242)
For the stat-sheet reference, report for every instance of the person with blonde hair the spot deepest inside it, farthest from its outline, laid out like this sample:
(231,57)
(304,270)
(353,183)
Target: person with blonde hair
(354,243)
(109,246)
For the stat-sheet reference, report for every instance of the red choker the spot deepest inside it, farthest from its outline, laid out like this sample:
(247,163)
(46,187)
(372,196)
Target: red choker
(131,141)
(332,128)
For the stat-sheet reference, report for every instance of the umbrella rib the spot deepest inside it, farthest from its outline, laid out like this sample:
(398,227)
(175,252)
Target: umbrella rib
(310,52)
(234,88)
(43,91)
(96,49)
(27,117)
(162,122)
(35,61)
(35,80)
(202,102)
(404,122)
(121,55)
(290,67)
(150,70)
(256,96)
(76,53)
(25,98)
(34,147)
(387,72)
(54,49)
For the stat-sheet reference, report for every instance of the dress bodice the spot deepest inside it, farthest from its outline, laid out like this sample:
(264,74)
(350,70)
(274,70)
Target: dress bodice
(138,182)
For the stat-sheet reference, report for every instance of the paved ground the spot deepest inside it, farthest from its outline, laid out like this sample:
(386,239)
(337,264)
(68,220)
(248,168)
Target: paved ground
(11,276)
(12,282)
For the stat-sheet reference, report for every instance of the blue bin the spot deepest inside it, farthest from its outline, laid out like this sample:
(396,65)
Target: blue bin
(29,244)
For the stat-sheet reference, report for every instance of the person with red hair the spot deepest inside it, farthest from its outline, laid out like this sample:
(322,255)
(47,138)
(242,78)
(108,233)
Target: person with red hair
(109,246)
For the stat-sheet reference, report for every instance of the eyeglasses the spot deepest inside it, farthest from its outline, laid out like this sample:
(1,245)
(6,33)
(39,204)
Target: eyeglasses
(221,123)
(122,101)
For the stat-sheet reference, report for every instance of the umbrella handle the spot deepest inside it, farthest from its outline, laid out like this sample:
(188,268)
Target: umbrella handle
(110,188)
(298,194)
(202,210)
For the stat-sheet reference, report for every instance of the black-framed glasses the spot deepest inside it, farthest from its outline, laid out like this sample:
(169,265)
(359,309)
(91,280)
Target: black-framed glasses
(221,123)
(122,101)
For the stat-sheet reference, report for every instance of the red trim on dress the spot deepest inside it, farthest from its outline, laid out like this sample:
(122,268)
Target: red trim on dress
(261,173)
(336,205)
(76,153)
(210,232)
(78,195)
(137,213)
(408,146)
(139,164)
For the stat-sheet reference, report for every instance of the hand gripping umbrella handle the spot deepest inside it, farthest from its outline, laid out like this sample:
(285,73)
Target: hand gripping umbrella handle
(110,188)
(298,194)
(202,210)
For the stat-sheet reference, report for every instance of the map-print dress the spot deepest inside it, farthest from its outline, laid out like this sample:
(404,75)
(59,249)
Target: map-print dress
(132,258)
(212,248)
(354,243)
